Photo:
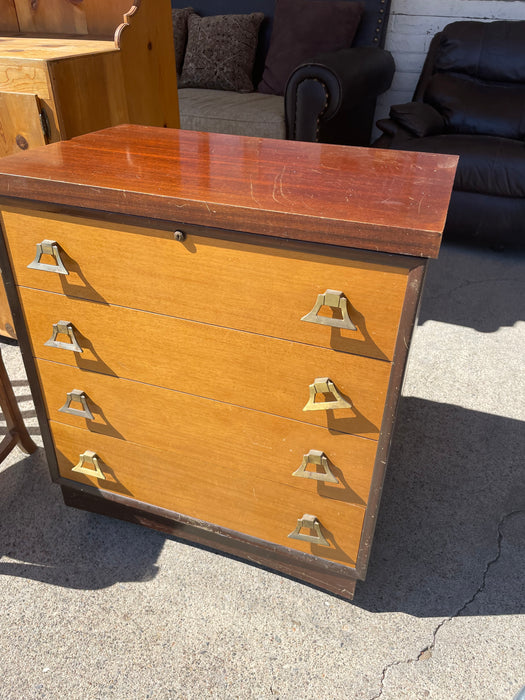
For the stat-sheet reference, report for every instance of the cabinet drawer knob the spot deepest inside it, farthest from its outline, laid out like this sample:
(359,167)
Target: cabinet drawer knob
(89,465)
(48,248)
(335,300)
(77,396)
(319,459)
(67,329)
(309,522)
(324,385)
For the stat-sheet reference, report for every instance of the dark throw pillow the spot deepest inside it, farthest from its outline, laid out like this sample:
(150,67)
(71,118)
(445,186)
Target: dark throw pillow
(302,29)
(419,118)
(180,34)
(221,51)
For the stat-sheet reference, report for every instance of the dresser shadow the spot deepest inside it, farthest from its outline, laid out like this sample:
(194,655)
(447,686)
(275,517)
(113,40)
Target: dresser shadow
(338,492)
(93,363)
(340,341)
(80,291)
(51,543)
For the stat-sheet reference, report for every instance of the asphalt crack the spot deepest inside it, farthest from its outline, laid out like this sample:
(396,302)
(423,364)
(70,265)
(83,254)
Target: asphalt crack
(427,652)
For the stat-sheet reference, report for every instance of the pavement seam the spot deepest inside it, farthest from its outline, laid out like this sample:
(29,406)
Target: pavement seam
(426,653)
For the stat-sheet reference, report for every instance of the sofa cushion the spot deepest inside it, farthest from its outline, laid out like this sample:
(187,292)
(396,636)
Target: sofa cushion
(180,34)
(247,114)
(221,51)
(487,164)
(301,30)
(473,107)
(491,51)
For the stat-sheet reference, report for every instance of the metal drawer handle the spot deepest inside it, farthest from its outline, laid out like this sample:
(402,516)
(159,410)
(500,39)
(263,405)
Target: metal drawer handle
(309,522)
(89,458)
(79,397)
(324,385)
(335,300)
(48,248)
(319,458)
(66,328)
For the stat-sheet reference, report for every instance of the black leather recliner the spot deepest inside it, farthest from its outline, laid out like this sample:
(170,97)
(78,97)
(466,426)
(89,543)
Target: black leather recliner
(470,101)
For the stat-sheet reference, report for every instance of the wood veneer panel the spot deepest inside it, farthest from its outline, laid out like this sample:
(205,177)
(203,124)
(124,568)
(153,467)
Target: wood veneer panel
(209,492)
(90,92)
(23,77)
(251,442)
(367,198)
(20,127)
(244,369)
(19,49)
(320,573)
(235,281)
(66,17)
(8,17)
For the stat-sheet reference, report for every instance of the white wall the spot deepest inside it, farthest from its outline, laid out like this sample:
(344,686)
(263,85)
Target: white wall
(412,25)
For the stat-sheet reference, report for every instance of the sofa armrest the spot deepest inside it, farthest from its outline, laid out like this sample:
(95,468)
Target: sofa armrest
(332,87)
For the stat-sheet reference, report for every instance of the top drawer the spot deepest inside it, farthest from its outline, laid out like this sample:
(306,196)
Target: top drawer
(247,282)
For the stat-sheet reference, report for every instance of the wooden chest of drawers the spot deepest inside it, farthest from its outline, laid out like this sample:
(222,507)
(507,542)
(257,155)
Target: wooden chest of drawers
(216,328)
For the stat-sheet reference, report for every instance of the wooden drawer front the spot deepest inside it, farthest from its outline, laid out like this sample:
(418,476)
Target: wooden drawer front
(210,492)
(19,76)
(258,444)
(229,282)
(244,369)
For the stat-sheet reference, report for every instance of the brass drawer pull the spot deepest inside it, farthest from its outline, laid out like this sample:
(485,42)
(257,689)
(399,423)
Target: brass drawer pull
(48,248)
(335,300)
(66,328)
(324,385)
(309,522)
(89,458)
(319,458)
(79,397)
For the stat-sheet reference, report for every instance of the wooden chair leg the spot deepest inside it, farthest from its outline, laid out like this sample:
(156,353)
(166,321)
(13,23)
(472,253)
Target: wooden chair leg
(16,430)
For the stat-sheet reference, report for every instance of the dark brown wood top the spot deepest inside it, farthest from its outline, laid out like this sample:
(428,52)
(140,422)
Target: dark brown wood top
(357,197)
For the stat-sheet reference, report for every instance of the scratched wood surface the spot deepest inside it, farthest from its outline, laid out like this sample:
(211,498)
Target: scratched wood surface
(366,198)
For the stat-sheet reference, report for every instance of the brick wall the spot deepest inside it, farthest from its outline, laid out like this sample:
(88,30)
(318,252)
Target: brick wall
(412,25)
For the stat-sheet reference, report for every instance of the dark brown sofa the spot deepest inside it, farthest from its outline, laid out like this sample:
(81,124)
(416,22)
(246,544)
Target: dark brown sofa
(470,101)
(330,97)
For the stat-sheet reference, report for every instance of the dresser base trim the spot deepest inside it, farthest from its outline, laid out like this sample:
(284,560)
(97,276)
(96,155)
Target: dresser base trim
(326,576)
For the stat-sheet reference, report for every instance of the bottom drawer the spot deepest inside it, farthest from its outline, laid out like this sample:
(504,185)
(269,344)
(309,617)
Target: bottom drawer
(240,502)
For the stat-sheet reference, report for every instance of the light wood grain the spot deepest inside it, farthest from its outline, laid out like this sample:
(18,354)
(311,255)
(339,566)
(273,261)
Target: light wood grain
(240,368)
(90,91)
(25,49)
(208,491)
(66,17)
(250,442)
(20,76)
(8,17)
(237,281)
(20,120)
(145,40)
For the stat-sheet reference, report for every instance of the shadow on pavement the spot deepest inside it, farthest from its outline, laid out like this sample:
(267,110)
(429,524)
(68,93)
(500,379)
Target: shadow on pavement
(453,475)
(64,546)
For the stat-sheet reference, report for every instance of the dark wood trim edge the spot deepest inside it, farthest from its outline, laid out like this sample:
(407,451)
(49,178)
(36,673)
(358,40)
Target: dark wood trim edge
(406,328)
(327,576)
